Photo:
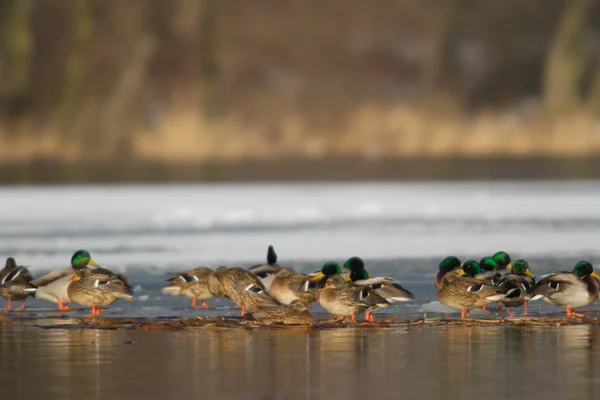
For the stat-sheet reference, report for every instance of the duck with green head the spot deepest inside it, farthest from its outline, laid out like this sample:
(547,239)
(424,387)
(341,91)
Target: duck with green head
(464,292)
(569,289)
(448,264)
(522,280)
(330,268)
(503,260)
(15,280)
(386,287)
(53,286)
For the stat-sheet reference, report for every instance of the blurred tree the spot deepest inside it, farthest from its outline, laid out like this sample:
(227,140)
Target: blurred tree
(75,69)
(566,62)
(209,68)
(15,56)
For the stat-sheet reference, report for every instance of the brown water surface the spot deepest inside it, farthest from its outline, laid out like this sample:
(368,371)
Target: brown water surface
(559,362)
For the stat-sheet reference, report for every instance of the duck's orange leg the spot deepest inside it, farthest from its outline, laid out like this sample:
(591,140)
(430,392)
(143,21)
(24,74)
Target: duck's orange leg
(194,305)
(353,317)
(526,311)
(8,306)
(98,311)
(571,313)
(62,307)
(92,313)
(243,310)
(21,307)
(367,316)
(484,308)
(509,313)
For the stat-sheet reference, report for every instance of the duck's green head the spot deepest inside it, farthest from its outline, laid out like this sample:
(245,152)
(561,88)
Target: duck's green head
(521,267)
(488,264)
(470,268)
(81,259)
(354,264)
(584,268)
(329,269)
(502,259)
(449,263)
(10,263)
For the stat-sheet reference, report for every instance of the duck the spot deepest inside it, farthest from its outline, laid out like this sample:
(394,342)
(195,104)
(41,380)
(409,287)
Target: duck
(461,290)
(266,272)
(14,282)
(386,287)
(330,268)
(503,260)
(192,283)
(97,289)
(342,298)
(569,289)
(289,286)
(448,264)
(295,313)
(522,279)
(53,286)
(242,287)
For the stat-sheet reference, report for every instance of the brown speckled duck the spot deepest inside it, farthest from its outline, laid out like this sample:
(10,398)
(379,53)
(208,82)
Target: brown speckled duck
(296,313)
(97,289)
(14,282)
(193,284)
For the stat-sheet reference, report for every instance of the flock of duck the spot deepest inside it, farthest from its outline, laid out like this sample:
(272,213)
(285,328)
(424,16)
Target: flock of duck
(272,293)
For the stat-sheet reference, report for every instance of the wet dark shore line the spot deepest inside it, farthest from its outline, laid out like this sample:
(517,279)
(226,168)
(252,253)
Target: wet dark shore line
(123,170)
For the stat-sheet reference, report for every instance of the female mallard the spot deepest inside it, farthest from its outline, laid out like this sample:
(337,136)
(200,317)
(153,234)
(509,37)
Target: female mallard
(14,280)
(343,298)
(521,279)
(53,286)
(463,291)
(569,289)
(448,264)
(266,272)
(192,284)
(97,289)
(296,313)
(289,286)
(242,287)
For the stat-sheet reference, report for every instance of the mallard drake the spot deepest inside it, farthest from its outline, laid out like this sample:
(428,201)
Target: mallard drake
(296,313)
(342,298)
(503,260)
(289,286)
(461,290)
(97,289)
(14,280)
(569,289)
(330,268)
(53,286)
(242,287)
(520,278)
(386,287)
(193,284)
(448,264)
(266,272)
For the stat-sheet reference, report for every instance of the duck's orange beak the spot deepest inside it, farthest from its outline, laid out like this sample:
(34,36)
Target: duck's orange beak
(595,275)
(74,278)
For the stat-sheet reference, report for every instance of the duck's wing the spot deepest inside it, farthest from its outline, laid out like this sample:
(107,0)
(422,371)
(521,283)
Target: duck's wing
(18,275)
(556,283)
(52,276)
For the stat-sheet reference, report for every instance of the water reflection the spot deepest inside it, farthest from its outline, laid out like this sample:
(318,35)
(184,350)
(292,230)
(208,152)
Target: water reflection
(445,363)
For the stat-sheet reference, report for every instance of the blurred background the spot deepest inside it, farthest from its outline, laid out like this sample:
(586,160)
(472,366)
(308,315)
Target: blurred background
(234,90)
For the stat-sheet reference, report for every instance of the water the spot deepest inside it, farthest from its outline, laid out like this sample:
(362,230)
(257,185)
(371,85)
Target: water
(401,230)
(428,363)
